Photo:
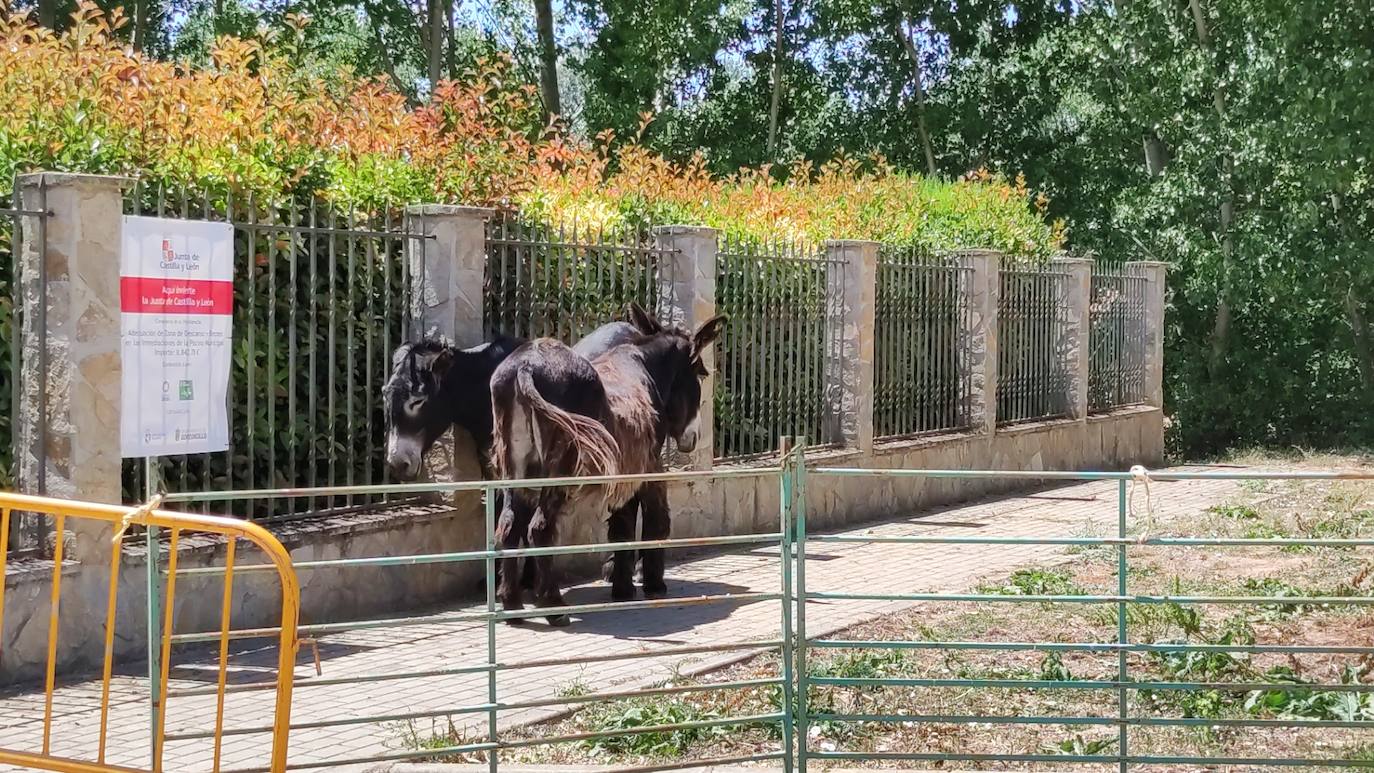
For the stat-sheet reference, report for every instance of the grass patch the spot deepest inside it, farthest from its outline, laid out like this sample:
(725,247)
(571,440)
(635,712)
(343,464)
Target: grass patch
(1035,582)
(641,714)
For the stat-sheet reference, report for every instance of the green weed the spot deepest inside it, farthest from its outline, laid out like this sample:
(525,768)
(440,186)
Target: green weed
(1035,582)
(642,714)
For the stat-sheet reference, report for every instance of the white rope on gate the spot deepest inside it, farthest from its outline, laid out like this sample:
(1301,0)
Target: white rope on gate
(1140,478)
(134,514)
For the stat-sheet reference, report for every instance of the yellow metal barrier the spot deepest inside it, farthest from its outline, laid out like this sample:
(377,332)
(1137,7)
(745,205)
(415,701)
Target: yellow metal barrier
(121,518)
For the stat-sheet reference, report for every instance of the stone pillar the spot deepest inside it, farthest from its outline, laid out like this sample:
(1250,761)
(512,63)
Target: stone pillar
(687,297)
(980,283)
(447,266)
(1074,349)
(448,257)
(851,301)
(1152,337)
(67,428)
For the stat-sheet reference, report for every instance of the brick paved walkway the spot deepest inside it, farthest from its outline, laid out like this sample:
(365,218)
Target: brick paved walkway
(837,567)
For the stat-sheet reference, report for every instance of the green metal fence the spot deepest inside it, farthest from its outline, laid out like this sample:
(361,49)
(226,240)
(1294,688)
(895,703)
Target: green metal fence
(797,681)
(1128,715)
(922,343)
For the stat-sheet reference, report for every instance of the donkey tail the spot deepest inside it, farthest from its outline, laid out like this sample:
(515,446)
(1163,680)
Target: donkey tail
(593,446)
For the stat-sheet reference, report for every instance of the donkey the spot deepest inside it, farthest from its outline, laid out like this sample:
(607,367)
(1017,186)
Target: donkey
(558,414)
(652,497)
(434,386)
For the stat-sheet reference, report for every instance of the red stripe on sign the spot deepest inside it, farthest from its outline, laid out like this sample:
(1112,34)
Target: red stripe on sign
(155,295)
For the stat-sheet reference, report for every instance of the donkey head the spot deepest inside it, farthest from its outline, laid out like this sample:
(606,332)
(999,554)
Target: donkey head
(415,416)
(674,360)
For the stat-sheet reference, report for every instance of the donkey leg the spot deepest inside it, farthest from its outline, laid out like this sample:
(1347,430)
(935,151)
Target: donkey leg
(515,518)
(543,533)
(653,499)
(621,528)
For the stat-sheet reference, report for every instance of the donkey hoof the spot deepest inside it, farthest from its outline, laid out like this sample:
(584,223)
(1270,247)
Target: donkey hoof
(655,590)
(515,622)
(559,621)
(623,592)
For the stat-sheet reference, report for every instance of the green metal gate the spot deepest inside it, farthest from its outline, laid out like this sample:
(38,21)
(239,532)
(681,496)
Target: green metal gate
(794,716)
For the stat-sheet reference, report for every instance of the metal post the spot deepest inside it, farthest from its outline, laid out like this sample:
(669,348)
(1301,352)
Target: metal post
(151,484)
(489,505)
(798,473)
(785,520)
(1123,695)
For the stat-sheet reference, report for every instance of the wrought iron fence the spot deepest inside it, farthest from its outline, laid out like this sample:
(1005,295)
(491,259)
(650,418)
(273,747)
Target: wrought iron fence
(1116,341)
(563,281)
(921,343)
(319,304)
(1032,374)
(27,532)
(771,362)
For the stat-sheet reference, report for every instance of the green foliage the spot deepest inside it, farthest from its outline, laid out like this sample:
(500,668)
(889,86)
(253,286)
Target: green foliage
(1328,705)
(1036,582)
(1235,512)
(862,664)
(1079,746)
(641,714)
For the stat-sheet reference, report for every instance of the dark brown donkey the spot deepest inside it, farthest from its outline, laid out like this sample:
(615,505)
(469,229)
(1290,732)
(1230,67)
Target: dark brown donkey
(556,414)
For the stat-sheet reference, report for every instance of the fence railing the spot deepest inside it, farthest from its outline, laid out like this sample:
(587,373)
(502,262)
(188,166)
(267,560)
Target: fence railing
(771,362)
(1116,340)
(50,740)
(816,334)
(1125,666)
(922,340)
(1032,371)
(320,302)
(563,281)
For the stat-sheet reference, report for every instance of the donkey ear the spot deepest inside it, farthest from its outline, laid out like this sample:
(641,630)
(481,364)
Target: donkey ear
(642,320)
(709,331)
(442,362)
(399,356)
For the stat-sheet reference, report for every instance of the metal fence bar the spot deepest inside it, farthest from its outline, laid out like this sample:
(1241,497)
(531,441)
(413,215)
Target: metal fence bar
(563,280)
(917,347)
(771,359)
(1032,380)
(1116,340)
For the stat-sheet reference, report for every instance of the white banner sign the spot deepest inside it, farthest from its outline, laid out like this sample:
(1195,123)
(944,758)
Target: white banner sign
(176,297)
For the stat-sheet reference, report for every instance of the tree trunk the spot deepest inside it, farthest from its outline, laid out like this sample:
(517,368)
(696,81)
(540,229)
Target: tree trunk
(548,59)
(138,10)
(1221,324)
(1360,334)
(388,64)
(776,104)
(435,43)
(918,82)
(1156,153)
(47,13)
